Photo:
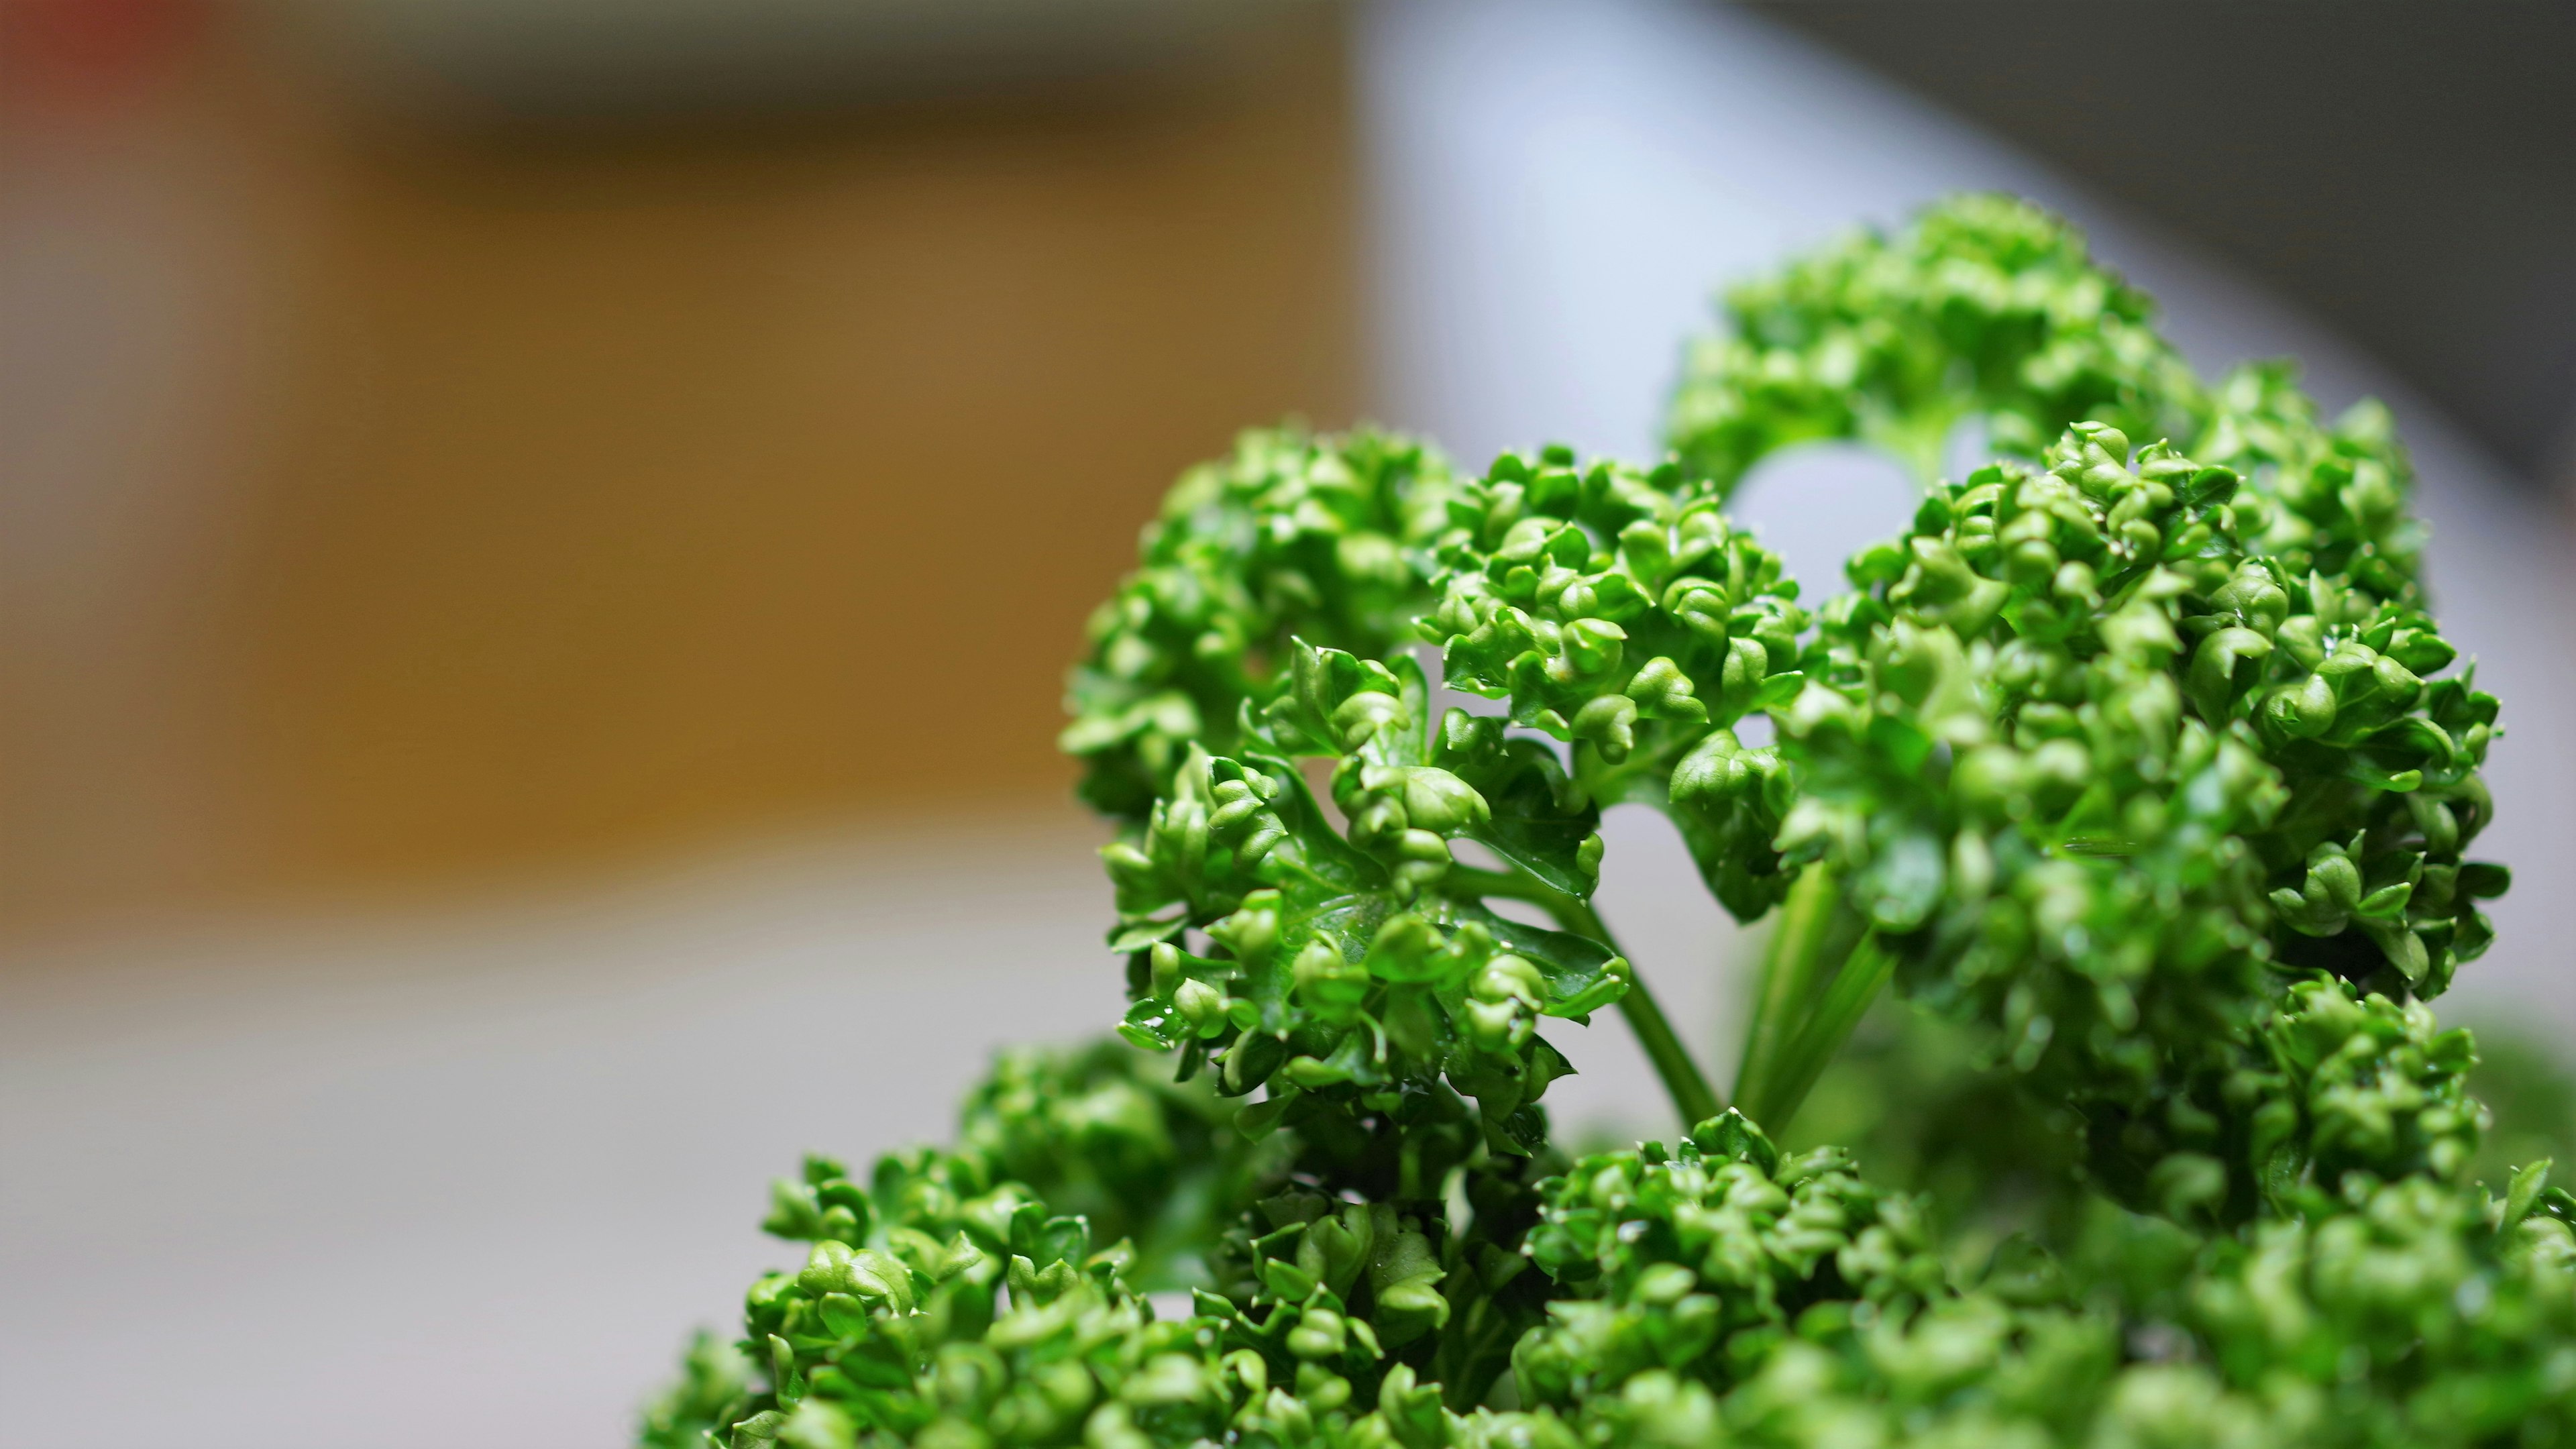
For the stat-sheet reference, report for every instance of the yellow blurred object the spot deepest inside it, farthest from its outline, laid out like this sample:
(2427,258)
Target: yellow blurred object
(552,495)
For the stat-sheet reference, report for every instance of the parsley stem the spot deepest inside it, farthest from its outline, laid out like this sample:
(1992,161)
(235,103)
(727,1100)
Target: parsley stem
(1819,975)
(1683,1081)
(1789,969)
(1837,1012)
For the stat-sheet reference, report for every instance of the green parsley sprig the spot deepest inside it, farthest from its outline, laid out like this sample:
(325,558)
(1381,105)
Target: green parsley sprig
(2137,758)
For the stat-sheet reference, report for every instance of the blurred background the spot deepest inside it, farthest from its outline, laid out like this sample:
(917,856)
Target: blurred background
(538,546)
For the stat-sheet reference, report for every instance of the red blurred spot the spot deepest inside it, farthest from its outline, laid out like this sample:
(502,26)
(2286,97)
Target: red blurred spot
(78,55)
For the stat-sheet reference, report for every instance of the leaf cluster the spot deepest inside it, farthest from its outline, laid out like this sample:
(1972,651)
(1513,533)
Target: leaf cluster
(1292,536)
(2137,761)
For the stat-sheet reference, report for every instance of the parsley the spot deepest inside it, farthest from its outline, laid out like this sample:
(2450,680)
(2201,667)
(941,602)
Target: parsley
(2133,785)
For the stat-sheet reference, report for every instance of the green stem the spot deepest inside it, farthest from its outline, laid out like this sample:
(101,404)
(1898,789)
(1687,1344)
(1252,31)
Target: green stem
(1789,969)
(1795,1070)
(1918,439)
(1690,1090)
(1683,1082)
(1819,975)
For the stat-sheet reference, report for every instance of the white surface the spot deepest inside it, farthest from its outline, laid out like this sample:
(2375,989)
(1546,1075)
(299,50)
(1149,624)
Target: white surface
(439,1181)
